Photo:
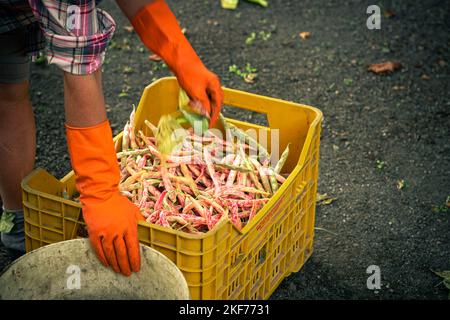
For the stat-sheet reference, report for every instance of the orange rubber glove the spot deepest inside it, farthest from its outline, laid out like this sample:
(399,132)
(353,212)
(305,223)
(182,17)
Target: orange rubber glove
(159,31)
(110,217)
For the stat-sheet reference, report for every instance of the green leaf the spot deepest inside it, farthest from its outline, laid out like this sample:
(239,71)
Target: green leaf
(443,274)
(127,69)
(165,139)
(248,75)
(263,3)
(447,283)
(251,38)
(380,164)
(182,120)
(348,81)
(440,208)
(250,69)
(265,35)
(183,100)
(233,68)
(186,111)
(193,118)
(229,4)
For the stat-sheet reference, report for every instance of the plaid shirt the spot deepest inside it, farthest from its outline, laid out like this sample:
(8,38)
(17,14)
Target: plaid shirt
(74,33)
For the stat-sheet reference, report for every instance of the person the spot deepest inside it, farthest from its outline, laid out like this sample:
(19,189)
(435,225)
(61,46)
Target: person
(75,35)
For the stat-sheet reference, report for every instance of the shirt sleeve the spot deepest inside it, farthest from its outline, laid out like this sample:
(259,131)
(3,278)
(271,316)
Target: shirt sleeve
(77,33)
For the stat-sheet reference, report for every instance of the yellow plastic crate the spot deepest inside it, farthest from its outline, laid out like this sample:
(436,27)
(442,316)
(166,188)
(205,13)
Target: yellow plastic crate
(224,263)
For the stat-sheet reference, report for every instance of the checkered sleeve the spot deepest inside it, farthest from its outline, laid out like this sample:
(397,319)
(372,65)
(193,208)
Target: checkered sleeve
(76,32)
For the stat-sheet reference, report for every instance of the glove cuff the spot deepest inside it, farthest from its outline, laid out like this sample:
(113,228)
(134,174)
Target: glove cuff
(159,30)
(94,161)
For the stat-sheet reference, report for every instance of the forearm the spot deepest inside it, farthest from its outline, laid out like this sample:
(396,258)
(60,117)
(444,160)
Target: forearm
(131,7)
(83,99)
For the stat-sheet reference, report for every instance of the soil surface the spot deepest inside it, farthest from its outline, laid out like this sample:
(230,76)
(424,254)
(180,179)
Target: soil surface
(377,130)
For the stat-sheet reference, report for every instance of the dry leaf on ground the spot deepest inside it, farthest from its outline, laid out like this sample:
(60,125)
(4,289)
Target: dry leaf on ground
(389,13)
(383,67)
(324,199)
(154,57)
(401,184)
(442,63)
(249,78)
(304,35)
(128,28)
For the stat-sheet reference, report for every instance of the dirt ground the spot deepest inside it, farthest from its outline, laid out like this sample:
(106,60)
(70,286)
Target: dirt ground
(378,129)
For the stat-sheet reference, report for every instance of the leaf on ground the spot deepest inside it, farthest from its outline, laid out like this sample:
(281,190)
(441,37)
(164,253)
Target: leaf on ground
(264,35)
(383,67)
(389,13)
(263,3)
(443,208)
(251,38)
(229,4)
(248,75)
(447,284)
(326,230)
(443,274)
(213,22)
(400,184)
(348,81)
(127,70)
(440,209)
(250,78)
(380,164)
(128,28)
(304,35)
(154,57)
(324,199)
(441,62)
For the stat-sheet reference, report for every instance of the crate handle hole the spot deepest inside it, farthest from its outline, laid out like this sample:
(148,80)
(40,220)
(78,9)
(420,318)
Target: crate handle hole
(246,115)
